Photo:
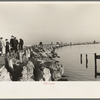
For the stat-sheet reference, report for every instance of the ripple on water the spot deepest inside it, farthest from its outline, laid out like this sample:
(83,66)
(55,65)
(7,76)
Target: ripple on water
(70,58)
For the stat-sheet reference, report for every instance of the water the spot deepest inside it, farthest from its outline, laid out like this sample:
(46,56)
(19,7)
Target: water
(74,70)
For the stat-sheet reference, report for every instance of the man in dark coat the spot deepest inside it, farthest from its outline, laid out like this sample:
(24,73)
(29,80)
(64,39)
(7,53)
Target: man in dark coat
(12,43)
(21,43)
(7,46)
(15,44)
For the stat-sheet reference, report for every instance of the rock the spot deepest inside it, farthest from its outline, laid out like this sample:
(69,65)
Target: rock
(34,64)
(38,75)
(56,75)
(28,72)
(17,73)
(56,71)
(21,56)
(62,70)
(30,69)
(8,64)
(4,74)
(13,69)
(24,59)
(27,53)
(46,74)
(43,54)
(24,74)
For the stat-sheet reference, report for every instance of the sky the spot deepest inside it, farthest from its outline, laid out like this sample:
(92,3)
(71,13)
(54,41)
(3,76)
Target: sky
(50,21)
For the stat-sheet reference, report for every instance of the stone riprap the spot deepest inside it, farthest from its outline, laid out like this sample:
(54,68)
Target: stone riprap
(34,63)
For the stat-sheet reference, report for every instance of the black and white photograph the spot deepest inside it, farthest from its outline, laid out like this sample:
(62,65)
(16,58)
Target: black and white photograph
(49,41)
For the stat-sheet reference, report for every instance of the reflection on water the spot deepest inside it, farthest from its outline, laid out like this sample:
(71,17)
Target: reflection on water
(70,58)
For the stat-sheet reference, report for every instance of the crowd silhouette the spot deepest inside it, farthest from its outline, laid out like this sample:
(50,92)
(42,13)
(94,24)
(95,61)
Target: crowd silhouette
(7,47)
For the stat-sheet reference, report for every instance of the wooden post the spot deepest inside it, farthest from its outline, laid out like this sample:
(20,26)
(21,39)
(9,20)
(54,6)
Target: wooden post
(86,61)
(81,58)
(95,65)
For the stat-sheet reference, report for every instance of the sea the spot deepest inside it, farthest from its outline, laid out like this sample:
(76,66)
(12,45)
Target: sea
(74,70)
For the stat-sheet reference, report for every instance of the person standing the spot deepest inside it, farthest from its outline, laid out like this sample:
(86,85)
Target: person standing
(15,44)
(1,45)
(21,43)
(12,43)
(7,46)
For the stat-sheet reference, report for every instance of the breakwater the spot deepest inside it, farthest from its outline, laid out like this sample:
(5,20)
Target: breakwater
(34,63)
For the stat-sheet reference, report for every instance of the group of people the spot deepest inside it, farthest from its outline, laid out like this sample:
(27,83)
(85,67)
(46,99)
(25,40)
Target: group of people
(10,46)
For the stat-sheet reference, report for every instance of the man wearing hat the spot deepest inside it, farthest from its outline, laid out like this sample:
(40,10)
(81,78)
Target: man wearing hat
(15,44)
(21,43)
(12,43)
(7,46)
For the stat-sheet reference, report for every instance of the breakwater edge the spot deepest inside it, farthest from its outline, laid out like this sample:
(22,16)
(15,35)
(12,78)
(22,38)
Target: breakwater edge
(33,63)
